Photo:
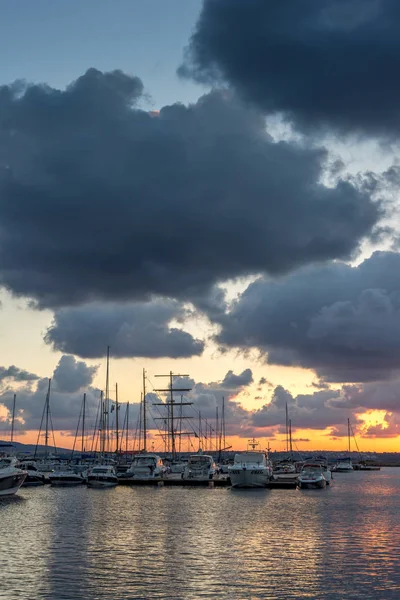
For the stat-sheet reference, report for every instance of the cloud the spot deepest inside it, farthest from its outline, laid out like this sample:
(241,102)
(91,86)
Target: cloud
(341,321)
(320,64)
(232,381)
(102,201)
(13,372)
(141,329)
(71,375)
(306,411)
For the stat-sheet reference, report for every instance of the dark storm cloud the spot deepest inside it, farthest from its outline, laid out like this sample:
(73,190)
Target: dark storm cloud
(100,200)
(320,63)
(343,322)
(140,329)
(13,372)
(71,375)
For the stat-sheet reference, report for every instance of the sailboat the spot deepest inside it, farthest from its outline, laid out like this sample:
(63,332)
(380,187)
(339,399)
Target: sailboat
(103,475)
(344,464)
(285,469)
(145,466)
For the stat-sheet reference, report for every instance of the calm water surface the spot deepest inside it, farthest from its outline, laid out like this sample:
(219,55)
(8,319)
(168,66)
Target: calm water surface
(75,544)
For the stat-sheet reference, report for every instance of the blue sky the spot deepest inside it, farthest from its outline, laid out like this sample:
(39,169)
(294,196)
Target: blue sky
(55,41)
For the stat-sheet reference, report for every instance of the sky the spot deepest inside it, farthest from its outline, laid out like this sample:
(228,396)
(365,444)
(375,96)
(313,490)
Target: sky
(208,188)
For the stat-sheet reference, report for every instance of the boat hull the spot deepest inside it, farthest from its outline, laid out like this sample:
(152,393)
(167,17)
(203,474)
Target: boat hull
(65,482)
(311,484)
(104,482)
(249,478)
(10,484)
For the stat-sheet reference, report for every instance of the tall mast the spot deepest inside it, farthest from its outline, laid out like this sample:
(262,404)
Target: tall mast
(170,404)
(223,421)
(83,422)
(290,437)
(13,418)
(102,424)
(116,418)
(47,420)
(199,431)
(127,426)
(144,412)
(348,432)
(107,402)
(287,429)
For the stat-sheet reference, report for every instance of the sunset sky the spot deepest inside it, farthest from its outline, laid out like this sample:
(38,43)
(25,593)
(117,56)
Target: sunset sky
(207,188)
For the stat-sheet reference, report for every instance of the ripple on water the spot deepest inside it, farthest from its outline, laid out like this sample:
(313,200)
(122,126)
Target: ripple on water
(188,543)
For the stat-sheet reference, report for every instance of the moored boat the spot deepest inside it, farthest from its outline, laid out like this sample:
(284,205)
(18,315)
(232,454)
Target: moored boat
(145,466)
(344,465)
(65,476)
(11,476)
(250,470)
(34,476)
(200,467)
(311,476)
(102,476)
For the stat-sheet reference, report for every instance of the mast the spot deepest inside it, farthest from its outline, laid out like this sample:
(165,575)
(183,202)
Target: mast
(107,412)
(127,426)
(199,431)
(348,433)
(46,437)
(170,404)
(83,422)
(116,418)
(102,424)
(13,418)
(287,429)
(223,421)
(290,438)
(144,412)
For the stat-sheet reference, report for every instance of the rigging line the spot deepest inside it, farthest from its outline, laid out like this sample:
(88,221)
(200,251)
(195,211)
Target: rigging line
(95,428)
(40,430)
(52,431)
(76,433)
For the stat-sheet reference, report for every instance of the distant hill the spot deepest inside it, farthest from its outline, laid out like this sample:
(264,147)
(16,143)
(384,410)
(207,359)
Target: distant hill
(30,448)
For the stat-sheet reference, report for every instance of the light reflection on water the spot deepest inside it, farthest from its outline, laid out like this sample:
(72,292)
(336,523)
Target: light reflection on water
(189,543)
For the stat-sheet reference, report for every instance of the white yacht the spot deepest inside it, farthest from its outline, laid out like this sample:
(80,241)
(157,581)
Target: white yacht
(101,476)
(200,467)
(344,465)
(145,466)
(65,476)
(311,476)
(250,469)
(11,476)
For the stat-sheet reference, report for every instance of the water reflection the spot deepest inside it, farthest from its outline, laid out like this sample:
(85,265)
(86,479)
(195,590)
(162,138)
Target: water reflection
(189,543)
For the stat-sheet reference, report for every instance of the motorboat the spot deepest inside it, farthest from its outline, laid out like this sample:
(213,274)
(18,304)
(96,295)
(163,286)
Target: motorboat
(311,476)
(11,476)
(344,465)
(145,466)
(34,476)
(250,470)
(200,467)
(65,476)
(323,462)
(102,476)
(285,471)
